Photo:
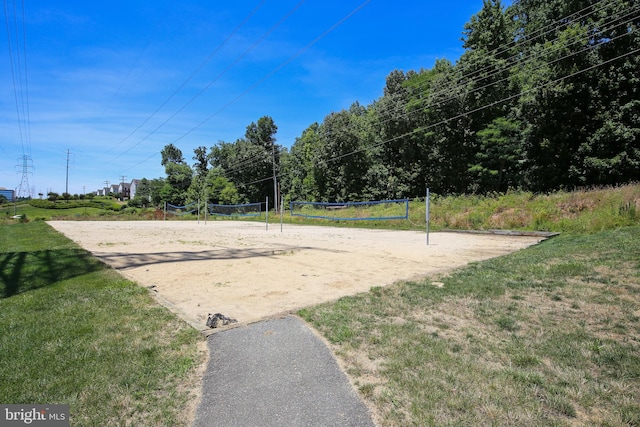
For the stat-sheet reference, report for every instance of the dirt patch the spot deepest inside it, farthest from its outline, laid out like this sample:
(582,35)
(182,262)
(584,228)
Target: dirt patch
(249,273)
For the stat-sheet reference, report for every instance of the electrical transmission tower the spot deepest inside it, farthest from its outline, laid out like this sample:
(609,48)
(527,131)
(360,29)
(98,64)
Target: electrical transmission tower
(24,190)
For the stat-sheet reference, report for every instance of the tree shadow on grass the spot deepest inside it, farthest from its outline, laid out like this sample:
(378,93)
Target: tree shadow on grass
(25,271)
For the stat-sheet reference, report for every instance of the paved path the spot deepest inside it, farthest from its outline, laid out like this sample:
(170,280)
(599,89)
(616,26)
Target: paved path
(276,373)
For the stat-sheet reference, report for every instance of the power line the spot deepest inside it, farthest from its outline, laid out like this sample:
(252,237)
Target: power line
(175,92)
(18,89)
(196,71)
(247,163)
(266,77)
(467,113)
(275,70)
(525,57)
(262,80)
(522,59)
(205,88)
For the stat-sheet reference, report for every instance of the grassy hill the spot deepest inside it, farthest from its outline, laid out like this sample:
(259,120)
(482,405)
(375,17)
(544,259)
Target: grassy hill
(573,212)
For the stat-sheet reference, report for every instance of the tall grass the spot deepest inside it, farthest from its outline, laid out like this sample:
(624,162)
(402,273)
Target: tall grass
(567,212)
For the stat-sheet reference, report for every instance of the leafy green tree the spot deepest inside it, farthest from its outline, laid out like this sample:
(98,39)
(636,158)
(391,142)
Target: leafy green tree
(299,178)
(201,158)
(344,157)
(262,136)
(171,154)
(448,131)
(179,176)
(235,161)
(196,191)
(499,156)
(148,192)
(484,68)
(220,190)
(249,162)
(398,169)
(610,153)
(424,106)
(579,92)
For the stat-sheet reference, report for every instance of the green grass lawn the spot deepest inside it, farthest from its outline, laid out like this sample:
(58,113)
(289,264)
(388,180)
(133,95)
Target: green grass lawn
(75,332)
(546,336)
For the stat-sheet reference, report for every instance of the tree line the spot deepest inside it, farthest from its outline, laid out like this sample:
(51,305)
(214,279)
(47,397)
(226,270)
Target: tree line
(546,96)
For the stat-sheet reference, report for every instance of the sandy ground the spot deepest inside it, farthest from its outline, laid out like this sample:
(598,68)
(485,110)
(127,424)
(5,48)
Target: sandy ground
(246,272)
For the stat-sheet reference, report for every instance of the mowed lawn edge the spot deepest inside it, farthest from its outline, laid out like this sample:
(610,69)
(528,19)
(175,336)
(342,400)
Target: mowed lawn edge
(76,332)
(549,335)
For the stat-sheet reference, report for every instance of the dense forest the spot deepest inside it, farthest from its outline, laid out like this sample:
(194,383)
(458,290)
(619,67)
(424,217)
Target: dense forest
(545,96)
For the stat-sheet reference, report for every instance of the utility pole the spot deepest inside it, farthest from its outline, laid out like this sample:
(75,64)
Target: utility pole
(122,194)
(106,187)
(275,183)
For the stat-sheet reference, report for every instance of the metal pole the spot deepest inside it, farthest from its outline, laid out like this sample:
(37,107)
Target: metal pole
(165,211)
(66,188)
(281,211)
(198,210)
(427,214)
(275,181)
(267,215)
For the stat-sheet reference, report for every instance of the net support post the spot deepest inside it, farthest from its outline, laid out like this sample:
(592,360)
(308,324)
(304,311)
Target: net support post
(165,211)
(426,202)
(281,211)
(267,215)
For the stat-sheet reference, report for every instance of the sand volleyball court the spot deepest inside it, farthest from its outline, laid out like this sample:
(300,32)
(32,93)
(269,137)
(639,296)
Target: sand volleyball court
(249,273)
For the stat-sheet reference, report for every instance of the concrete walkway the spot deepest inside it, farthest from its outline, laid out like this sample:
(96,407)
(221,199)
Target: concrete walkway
(276,373)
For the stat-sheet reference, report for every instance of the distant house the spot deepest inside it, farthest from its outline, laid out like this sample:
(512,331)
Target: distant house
(123,190)
(114,188)
(9,194)
(133,188)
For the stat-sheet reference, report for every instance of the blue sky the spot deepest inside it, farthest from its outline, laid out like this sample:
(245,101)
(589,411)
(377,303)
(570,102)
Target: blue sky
(111,83)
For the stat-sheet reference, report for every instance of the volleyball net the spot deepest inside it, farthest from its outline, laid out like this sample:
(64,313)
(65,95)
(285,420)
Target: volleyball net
(245,210)
(180,210)
(352,211)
